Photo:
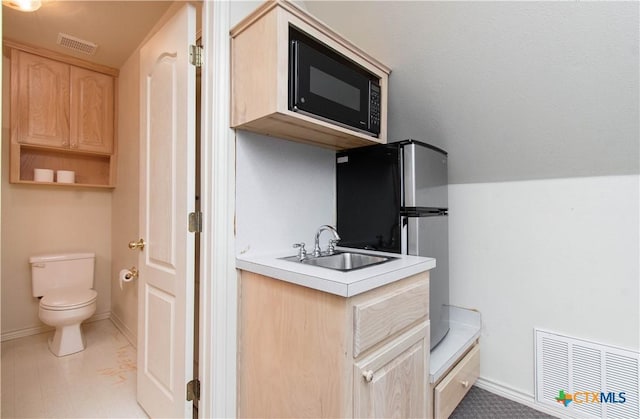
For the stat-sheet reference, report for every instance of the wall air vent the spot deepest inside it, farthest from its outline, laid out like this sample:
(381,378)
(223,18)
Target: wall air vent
(76,44)
(581,378)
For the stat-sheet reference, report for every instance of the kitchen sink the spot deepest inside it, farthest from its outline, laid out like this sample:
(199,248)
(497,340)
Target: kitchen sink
(342,261)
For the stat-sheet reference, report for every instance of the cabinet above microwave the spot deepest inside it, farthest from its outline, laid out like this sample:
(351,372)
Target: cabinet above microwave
(346,108)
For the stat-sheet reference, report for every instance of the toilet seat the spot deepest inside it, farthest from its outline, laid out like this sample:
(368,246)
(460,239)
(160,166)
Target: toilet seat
(62,299)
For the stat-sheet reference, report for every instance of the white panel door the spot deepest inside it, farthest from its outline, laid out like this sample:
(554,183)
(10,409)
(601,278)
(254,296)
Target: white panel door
(167,195)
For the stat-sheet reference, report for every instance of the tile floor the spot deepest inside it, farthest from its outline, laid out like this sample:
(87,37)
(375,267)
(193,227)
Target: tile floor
(99,382)
(481,404)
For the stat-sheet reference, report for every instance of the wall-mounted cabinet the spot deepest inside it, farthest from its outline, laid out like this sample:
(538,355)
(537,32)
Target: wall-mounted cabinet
(260,78)
(62,117)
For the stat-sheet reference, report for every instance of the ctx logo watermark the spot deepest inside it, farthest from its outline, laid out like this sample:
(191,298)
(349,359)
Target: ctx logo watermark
(580,397)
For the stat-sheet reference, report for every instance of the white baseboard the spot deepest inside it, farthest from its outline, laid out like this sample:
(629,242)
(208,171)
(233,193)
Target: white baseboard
(519,396)
(21,333)
(29,331)
(128,334)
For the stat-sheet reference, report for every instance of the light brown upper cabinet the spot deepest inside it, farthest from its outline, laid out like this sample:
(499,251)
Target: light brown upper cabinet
(62,117)
(40,100)
(91,120)
(260,78)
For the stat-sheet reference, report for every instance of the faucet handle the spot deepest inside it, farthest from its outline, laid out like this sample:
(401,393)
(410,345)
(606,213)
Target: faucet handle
(302,253)
(331,249)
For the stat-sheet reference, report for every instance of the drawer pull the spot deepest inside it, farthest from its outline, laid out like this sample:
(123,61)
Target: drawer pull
(368,376)
(464,383)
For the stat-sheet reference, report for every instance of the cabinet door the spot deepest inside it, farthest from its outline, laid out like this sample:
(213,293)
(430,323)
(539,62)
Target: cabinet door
(40,106)
(392,382)
(91,121)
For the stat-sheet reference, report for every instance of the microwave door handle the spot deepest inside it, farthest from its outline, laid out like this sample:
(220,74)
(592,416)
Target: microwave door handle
(293,75)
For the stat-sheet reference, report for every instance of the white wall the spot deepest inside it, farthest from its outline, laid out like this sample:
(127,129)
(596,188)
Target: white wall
(284,192)
(124,303)
(513,90)
(2,87)
(517,91)
(41,219)
(241,8)
(558,254)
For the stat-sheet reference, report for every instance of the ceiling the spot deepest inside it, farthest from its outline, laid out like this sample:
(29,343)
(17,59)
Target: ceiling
(118,27)
(512,90)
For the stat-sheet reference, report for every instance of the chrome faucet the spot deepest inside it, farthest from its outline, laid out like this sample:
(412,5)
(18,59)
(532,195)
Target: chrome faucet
(331,248)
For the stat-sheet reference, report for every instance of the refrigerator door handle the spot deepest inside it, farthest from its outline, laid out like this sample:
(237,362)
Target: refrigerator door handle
(404,221)
(402,175)
(411,229)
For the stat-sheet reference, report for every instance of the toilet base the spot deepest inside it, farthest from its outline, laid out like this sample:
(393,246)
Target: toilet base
(67,340)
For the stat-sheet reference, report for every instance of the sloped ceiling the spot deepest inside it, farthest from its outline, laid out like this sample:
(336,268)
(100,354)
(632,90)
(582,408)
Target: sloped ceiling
(512,90)
(117,27)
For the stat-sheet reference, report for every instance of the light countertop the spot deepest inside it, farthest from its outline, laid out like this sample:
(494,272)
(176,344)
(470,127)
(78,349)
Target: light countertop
(345,284)
(465,326)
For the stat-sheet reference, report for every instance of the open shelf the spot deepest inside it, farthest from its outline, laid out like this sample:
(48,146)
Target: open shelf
(91,170)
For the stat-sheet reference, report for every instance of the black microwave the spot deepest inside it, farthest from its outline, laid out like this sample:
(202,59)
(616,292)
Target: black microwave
(326,85)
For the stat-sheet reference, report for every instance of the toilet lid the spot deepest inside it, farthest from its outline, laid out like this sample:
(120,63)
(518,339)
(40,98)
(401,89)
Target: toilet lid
(68,298)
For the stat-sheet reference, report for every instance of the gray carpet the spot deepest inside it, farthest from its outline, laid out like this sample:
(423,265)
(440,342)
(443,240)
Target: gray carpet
(481,404)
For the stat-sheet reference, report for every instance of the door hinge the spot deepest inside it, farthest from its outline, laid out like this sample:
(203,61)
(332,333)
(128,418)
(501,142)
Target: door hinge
(193,390)
(195,222)
(195,55)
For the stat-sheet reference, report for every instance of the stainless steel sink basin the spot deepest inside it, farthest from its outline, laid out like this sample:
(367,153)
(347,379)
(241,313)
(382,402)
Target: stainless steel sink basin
(342,261)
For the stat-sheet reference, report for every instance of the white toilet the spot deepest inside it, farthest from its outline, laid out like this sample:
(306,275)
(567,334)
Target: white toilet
(64,281)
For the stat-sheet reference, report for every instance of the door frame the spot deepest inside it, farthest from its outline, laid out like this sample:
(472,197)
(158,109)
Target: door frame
(218,284)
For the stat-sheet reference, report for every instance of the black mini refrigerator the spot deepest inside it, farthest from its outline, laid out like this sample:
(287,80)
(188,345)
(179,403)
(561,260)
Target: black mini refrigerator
(393,198)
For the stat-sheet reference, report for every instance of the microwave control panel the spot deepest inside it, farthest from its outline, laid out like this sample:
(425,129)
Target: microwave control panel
(374,108)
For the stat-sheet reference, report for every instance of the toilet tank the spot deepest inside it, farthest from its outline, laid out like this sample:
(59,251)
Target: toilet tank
(61,270)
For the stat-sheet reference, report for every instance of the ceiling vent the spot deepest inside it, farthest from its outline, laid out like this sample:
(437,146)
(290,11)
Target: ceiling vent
(76,44)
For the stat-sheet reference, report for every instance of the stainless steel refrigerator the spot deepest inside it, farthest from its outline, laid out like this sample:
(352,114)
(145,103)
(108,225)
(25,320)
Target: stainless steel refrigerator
(393,198)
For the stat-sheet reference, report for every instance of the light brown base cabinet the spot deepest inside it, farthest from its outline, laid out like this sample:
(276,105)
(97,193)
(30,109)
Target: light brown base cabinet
(307,353)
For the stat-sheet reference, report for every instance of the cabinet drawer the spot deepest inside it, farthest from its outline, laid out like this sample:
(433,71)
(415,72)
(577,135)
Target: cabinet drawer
(382,316)
(456,384)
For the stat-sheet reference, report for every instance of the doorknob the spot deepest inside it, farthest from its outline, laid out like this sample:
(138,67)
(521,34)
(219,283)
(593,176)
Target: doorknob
(137,244)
